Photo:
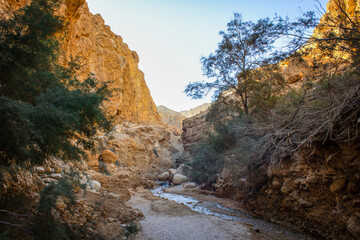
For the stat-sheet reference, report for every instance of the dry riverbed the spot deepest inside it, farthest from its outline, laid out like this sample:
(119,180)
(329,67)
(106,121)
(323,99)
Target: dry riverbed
(191,215)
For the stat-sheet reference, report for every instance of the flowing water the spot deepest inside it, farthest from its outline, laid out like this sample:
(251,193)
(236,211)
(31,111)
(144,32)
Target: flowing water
(215,209)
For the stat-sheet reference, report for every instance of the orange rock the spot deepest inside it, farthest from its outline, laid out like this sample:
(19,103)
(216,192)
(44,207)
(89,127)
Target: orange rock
(338,185)
(108,156)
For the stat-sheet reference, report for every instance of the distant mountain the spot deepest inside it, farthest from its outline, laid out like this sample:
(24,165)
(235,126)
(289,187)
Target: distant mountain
(170,117)
(195,111)
(175,119)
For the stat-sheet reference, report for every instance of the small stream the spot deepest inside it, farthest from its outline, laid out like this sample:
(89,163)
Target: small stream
(215,209)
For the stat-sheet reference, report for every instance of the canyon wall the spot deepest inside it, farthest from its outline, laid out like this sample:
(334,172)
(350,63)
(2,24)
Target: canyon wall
(104,54)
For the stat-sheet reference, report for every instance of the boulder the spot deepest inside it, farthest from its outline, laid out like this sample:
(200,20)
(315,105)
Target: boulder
(164,176)
(338,185)
(189,185)
(95,185)
(179,179)
(108,156)
(172,173)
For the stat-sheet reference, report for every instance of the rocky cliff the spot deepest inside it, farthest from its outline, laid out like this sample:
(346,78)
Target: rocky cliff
(194,130)
(196,110)
(170,117)
(104,54)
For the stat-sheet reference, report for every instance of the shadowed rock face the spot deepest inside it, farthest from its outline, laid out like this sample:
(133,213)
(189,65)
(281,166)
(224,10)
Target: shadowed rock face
(104,54)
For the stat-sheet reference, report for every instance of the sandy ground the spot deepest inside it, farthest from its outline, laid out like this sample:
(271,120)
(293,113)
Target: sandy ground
(167,220)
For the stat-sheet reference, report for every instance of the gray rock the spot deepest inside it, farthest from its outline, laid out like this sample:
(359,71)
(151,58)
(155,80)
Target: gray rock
(95,185)
(55,175)
(40,169)
(183,169)
(49,180)
(305,203)
(189,185)
(179,179)
(164,176)
(353,226)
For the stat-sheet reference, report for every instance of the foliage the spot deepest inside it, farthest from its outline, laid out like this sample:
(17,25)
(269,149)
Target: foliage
(46,226)
(207,156)
(131,229)
(235,66)
(43,106)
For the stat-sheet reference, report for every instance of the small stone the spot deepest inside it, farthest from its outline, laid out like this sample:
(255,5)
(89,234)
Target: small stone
(108,156)
(338,185)
(305,203)
(164,176)
(353,226)
(55,175)
(284,190)
(40,169)
(95,185)
(189,185)
(179,179)
(47,169)
(49,180)
(276,183)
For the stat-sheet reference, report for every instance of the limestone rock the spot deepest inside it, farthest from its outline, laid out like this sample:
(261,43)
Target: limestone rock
(108,156)
(164,176)
(305,203)
(170,117)
(95,185)
(353,226)
(104,54)
(338,185)
(55,175)
(284,189)
(172,173)
(179,179)
(40,169)
(194,130)
(196,110)
(189,185)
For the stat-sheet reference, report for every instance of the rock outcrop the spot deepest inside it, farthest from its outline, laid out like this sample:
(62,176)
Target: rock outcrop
(150,148)
(194,130)
(105,55)
(195,111)
(171,117)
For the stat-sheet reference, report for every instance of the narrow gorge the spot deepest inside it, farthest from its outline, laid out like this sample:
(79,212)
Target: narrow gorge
(202,173)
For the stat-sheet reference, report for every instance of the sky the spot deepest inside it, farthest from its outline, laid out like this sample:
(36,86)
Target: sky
(170,36)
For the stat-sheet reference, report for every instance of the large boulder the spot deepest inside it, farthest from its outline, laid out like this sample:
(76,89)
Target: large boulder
(164,176)
(179,179)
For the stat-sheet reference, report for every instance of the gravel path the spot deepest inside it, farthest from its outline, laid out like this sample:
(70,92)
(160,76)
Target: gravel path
(167,220)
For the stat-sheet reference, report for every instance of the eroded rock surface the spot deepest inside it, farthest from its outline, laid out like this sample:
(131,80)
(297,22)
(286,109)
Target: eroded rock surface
(103,54)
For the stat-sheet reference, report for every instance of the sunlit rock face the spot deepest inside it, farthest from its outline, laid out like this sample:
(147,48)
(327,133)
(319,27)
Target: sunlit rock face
(104,54)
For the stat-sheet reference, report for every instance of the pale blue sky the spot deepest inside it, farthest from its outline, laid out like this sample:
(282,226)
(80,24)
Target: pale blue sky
(170,36)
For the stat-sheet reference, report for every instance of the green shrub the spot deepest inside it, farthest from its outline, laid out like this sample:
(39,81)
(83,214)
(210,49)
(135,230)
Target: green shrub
(206,164)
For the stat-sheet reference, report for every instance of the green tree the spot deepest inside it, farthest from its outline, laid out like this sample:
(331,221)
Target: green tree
(236,64)
(43,106)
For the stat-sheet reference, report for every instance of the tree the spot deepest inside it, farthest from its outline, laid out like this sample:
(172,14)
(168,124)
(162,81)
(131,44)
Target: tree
(43,106)
(236,64)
